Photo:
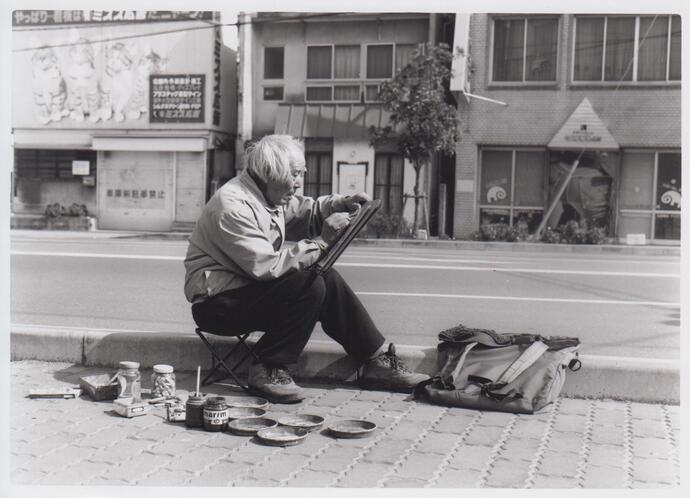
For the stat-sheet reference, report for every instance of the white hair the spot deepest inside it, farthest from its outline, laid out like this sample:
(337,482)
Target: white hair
(271,157)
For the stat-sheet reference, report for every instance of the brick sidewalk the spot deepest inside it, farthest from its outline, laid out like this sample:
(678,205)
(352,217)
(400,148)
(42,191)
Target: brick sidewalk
(574,444)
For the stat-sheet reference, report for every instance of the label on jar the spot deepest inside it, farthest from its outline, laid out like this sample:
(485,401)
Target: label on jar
(216,417)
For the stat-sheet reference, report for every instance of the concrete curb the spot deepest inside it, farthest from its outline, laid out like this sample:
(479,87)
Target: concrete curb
(610,377)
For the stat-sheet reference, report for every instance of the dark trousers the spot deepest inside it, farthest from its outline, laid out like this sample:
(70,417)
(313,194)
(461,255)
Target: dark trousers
(286,310)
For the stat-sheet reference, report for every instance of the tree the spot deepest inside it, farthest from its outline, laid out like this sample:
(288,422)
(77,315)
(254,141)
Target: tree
(422,121)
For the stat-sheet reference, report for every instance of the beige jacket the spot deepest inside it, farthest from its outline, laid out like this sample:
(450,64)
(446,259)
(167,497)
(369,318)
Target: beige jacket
(240,238)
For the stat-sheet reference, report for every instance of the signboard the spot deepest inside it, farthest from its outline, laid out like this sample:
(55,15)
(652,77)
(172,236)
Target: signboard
(177,98)
(352,177)
(81,167)
(583,130)
(461,64)
(53,17)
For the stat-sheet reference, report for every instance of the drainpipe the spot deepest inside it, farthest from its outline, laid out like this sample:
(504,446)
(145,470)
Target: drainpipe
(245,87)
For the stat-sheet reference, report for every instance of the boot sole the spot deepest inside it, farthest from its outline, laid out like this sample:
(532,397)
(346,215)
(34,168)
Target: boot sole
(272,398)
(375,385)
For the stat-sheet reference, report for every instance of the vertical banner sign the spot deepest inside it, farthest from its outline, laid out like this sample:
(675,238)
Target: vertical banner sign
(216,77)
(177,98)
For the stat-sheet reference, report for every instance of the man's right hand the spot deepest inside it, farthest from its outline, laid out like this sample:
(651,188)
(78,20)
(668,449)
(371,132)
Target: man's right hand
(334,225)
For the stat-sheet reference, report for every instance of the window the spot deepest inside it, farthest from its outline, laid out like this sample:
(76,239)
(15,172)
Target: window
(650,195)
(319,159)
(346,65)
(319,93)
(627,48)
(273,63)
(273,93)
(50,164)
(512,187)
(388,181)
(379,61)
(319,62)
(524,49)
(403,55)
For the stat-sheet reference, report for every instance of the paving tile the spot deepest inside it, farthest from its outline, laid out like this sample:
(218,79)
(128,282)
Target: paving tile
(530,428)
(556,463)
(435,442)
(647,447)
(470,457)
(407,430)
(541,482)
(646,411)
(453,423)
(136,468)
(363,474)
(598,476)
(506,474)
(653,470)
(570,423)
(335,459)
(310,479)
(484,435)
(196,460)
(566,442)
(648,428)
(418,466)
(606,455)
(398,482)
(74,474)
(498,419)
(519,449)
(603,434)
(576,406)
(23,476)
(164,477)
(454,478)
(387,451)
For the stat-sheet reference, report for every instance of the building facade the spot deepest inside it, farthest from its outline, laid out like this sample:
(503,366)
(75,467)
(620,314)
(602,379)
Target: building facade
(316,77)
(131,113)
(601,89)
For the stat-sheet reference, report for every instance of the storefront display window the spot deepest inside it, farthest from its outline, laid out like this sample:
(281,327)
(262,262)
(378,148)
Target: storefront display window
(650,195)
(512,187)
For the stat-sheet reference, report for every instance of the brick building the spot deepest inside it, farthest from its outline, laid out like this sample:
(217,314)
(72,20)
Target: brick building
(602,88)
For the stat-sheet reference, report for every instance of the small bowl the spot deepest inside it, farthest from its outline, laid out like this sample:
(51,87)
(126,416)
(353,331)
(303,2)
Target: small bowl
(246,402)
(352,428)
(245,412)
(250,426)
(282,435)
(307,422)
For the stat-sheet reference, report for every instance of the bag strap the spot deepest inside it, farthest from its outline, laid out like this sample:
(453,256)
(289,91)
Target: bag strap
(523,362)
(450,379)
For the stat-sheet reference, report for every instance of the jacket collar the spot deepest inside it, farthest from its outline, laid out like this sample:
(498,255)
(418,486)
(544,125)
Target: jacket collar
(249,183)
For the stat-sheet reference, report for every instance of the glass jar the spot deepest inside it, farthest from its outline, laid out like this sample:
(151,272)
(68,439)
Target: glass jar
(129,379)
(216,414)
(162,382)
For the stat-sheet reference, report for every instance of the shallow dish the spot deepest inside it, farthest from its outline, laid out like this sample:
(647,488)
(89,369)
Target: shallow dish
(250,426)
(282,435)
(246,402)
(245,412)
(307,422)
(352,428)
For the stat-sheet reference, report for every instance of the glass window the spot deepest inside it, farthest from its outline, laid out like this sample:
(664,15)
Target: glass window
(317,180)
(319,93)
(273,62)
(346,65)
(668,188)
(372,92)
(273,93)
(667,226)
(346,92)
(403,55)
(388,182)
(496,177)
(637,181)
(319,62)
(605,48)
(517,57)
(651,52)
(620,47)
(529,178)
(379,61)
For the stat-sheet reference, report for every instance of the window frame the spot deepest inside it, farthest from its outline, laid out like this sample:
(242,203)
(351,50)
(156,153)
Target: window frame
(653,211)
(319,154)
(524,81)
(366,59)
(512,206)
(282,78)
(636,47)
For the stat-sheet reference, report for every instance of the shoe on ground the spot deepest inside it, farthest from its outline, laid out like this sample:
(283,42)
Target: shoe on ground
(386,371)
(274,383)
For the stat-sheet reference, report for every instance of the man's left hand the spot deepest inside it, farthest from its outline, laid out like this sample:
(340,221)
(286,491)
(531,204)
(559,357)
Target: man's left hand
(352,202)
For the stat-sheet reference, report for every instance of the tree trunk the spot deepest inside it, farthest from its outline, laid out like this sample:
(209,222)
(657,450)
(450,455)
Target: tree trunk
(417,169)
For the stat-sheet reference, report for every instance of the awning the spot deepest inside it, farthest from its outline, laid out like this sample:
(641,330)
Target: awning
(329,120)
(583,130)
(51,139)
(178,144)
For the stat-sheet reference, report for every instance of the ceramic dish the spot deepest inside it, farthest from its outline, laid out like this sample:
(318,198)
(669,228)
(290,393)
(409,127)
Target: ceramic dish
(308,422)
(250,426)
(352,428)
(246,402)
(245,412)
(282,435)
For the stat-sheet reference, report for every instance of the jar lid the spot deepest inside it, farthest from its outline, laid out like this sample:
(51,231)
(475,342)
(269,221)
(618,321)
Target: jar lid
(129,364)
(215,400)
(163,369)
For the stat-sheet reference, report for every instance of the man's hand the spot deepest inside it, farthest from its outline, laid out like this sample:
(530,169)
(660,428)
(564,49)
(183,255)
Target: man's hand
(352,202)
(333,226)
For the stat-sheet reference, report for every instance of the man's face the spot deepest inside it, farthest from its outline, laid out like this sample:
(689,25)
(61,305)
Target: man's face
(279,194)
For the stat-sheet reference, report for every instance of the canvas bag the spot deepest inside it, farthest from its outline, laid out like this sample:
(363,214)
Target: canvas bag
(485,370)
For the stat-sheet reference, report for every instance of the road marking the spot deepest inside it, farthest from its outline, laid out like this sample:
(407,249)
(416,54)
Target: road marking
(367,265)
(516,298)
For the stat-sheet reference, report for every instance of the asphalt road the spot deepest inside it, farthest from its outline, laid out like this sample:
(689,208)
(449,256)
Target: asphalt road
(617,304)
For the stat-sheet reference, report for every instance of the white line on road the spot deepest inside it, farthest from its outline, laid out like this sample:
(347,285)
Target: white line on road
(368,265)
(515,298)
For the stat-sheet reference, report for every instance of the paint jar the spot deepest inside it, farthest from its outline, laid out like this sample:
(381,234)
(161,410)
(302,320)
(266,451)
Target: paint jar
(215,414)
(194,411)
(162,382)
(129,378)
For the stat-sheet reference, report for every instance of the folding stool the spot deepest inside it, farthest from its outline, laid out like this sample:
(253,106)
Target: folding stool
(218,362)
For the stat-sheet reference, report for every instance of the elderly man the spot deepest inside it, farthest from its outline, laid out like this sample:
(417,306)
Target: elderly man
(241,276)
